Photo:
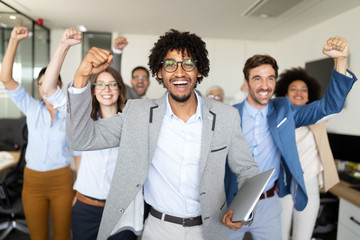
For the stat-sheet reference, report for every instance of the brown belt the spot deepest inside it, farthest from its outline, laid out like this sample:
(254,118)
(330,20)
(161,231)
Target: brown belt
(89,201)
(269,193)
(185,222)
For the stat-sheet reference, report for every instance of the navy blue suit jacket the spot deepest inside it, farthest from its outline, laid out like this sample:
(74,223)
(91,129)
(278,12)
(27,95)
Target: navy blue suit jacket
(283,118)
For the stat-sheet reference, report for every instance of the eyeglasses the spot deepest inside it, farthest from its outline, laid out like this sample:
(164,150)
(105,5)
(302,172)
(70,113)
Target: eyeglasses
(171,65)
(140,78)
(214,97)
(102,86)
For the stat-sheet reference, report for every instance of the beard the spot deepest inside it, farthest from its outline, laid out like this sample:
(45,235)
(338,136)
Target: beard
(257,100)
(180,99)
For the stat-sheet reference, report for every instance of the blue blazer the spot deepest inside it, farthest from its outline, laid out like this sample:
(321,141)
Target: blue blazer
(283,118)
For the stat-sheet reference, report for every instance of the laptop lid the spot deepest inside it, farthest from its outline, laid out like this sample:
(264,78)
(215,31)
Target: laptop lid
(248,195)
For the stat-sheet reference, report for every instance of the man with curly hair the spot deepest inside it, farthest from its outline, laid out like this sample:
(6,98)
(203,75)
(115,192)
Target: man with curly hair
(172,150)
(269,127)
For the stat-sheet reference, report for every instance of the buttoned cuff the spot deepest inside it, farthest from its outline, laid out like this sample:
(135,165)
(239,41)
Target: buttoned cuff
(73,90)
(58,99)
(117,51)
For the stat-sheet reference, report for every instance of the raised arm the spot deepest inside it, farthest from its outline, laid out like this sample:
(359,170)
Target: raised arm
(69,38)
(340,85)
(94,62)
(17,34)
(119,44)
(338,49)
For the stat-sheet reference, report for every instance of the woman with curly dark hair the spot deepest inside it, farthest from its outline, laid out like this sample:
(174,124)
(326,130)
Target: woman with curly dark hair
(315,155)
(298,74)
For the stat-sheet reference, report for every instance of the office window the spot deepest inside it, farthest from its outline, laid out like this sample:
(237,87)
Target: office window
(95,39)
(32,54)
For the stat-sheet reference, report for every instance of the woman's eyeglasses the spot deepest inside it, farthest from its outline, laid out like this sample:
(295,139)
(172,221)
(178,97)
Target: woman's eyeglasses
(102,86)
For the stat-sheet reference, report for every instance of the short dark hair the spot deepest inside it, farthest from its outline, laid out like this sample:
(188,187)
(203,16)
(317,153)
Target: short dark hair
(181,41)
(140,68)
(293,74)
(42,72)
(258,60)
(96,111)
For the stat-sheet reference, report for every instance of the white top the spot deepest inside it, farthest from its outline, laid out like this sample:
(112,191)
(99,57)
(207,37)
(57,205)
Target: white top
(308,153)
(95,172)
(97,167)
(172,185)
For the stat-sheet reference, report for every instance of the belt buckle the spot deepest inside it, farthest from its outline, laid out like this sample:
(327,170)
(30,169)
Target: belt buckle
(184,221)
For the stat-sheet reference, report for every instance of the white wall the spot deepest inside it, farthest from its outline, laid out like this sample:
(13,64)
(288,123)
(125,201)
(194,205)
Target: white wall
(227,58)
(307,46)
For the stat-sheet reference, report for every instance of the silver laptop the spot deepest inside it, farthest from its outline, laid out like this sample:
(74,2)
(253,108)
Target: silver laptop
(248,195)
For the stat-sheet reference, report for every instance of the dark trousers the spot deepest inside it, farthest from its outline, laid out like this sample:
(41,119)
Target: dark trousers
(85,222)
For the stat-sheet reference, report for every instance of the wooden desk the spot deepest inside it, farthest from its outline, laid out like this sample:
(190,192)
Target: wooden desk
(343,190)
(6,163)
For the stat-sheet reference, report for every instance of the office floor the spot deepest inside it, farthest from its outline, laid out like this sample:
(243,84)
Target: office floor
(325,236)
(18,235)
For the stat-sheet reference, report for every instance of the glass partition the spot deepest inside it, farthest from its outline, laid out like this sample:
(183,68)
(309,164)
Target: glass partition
(32,54)
(95,39)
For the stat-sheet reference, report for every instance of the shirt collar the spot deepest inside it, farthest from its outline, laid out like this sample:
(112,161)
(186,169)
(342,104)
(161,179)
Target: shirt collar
(253,111)
(198,113)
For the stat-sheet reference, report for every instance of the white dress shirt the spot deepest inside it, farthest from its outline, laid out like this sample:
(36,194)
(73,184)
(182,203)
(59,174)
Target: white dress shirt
(172,186)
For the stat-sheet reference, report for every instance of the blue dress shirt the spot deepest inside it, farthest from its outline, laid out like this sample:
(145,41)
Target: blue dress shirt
(47,148)
(257,133)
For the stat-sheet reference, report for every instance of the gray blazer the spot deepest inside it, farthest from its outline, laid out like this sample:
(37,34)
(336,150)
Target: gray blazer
(136,132)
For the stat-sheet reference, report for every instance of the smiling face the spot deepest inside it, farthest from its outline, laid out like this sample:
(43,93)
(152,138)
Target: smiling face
(140,81)
(261,85)
(107,96)
(180,84)
(298,93)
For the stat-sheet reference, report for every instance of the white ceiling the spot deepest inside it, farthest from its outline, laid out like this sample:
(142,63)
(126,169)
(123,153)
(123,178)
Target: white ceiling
(234,19)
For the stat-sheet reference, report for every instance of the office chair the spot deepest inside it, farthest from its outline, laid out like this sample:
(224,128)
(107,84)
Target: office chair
(13,137)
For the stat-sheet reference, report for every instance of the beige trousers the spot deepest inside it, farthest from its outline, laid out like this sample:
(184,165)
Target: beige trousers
(156,229)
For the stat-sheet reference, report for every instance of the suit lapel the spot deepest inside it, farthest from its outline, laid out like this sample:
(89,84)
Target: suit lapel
(156,115)
(208,127)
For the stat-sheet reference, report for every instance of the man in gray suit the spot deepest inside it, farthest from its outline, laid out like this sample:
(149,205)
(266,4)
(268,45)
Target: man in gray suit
(172,149)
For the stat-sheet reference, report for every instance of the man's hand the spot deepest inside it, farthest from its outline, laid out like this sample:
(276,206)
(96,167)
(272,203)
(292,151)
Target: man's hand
(338,49)
(227,221)
(94,62)
(19,33)
(120,43)
(71,37)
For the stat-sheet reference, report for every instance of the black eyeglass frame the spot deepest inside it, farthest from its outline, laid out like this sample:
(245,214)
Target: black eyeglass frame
(177,64)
